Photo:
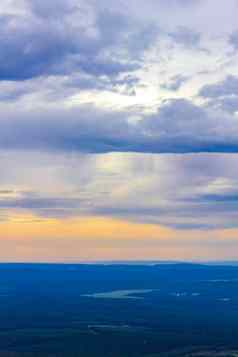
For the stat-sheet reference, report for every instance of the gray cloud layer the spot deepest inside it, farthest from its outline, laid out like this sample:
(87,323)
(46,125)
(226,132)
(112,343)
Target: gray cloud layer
(179,127)
(104,77)
(93,46)
(67,37)
(228,87)
(192,192)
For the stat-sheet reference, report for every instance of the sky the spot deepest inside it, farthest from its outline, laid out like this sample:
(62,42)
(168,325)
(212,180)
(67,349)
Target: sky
(118,130)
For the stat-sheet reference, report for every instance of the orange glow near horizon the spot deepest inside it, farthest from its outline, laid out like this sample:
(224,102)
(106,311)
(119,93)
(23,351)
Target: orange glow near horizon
(81,227)
(30,238)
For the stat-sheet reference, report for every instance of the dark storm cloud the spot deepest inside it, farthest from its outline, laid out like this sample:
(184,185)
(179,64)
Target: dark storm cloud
(30,49)
(179,127)
(59,39)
